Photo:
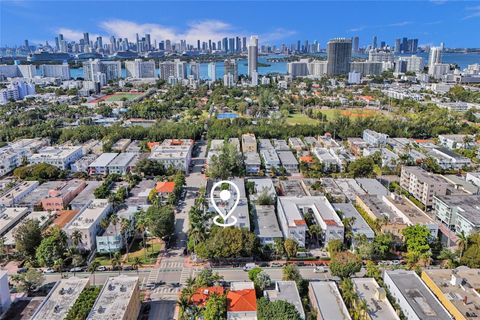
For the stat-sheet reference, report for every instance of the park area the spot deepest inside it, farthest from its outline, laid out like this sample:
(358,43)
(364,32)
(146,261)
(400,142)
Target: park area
(121,96)
(147,257)
(353,113)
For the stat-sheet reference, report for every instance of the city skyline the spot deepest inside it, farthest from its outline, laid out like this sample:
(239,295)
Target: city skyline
(447,22)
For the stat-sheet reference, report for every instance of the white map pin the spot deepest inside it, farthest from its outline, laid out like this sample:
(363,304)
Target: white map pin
(225,195)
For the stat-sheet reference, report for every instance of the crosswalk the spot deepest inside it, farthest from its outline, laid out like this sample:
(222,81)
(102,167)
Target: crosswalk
(171,266)
(186,273)
(165,290)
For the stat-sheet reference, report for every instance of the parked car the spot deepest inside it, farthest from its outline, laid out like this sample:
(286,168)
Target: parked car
(76,269)
(319,270)
(249,266)
(21,270)
(48,270)
(102,268)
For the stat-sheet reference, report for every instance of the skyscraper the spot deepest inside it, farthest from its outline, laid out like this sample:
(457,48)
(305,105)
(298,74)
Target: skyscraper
(244,42)
(212,71)
(231,68)
(339,54)
(374,43)
(252,55)
(398,46)
(195,70)
(434,57)
(139,69)
(148,42)
(356,42)
(86,38)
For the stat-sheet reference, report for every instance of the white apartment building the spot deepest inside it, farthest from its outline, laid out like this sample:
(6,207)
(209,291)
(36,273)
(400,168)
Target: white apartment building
(100,165)
(15,194)
(176,153)
(422,184)
(291,211)
(61,71)
(9,217)
(88,221)
(139,69)
(374,138)
(58,156)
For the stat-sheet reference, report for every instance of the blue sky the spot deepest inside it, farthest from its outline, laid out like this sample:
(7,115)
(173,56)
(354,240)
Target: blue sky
(457,23)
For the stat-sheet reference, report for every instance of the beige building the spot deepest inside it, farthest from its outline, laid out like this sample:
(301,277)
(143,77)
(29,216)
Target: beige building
(249,143)
(422,184)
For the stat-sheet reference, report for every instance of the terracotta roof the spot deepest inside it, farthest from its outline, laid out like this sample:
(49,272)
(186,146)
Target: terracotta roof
(64,217)
(300,222)
(330,222)
(165,186)
(241,300)
(201,295)
(306,159)
(152,144)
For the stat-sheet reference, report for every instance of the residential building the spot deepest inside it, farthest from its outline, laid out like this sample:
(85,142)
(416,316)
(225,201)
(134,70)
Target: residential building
(212,71)
(473,177)
(329,162)
(43,217)
(372,186)
(449,160)
(253,55)
(85,196)
(5,300)
(455,141)
(412,295)
(378,306)
(100,165)
(297,144)
(249,143)
(266,225)
(326,300)
(114,237)
(139,69)
(262,185)
(339,54)
(87,221)
(252,163)
(241,301)
(121,145)
(288,161)
(270,159)
(82,164)
(138,195)
(119,299)
(460,214)
(280,145)
(9,217)
(17,193)
(167,70)
(122,163)
(286,291)
(200,297)
(422,184)
(176,153)
(374,139)
(58,156)
(360,226)
(61,71)
(456,289)
(291,211)
(291,188)
(59,198)
(60,299)
(95,69)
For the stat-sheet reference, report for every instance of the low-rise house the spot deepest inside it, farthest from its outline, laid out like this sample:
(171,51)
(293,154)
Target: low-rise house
(280,145)
(88,221)
(260,186)
(252,163)
(288,161)
(59,198)
(265,144)
(412,295)
(83,164)
(270,159)
(286,291)
(138,195)
(113,238)
(378,306)
(374,138)
(10,217)
(134,147)
(100,165)
(34,199)
(176,153)
(267,229)
(60,299)
(449,160)
(164,189)
(17,193)
(58,156)
(360,226)
(200,297)
(297,144)
(329,162)
(85,196)
(241,301)
(458,213)
(327,301)
(121,145)
(119,299)
(422,184)
(456,289)
(311,142)
(455,141)
(356,145)
(122,163)
(249,143)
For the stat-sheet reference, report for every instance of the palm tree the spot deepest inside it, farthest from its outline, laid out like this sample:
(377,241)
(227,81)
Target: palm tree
(92,268)
(315,232)
(141,225)
(184,304)
(104,223)
(76,238)
(114,220)
(58,266)
(137,263)
(116,260)
(125,229)
(348,224)
(462,243)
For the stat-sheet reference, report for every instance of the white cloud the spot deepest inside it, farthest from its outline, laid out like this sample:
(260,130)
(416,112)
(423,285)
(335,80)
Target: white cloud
(202,30)
(473,12)
(400,24)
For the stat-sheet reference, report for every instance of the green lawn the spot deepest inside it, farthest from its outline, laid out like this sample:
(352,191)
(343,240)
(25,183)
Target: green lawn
(119,96)
(154,246)
(299,118)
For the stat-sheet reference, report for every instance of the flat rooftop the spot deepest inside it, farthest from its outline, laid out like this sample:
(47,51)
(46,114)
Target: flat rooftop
(41,192)
(287,158)
(88,216)
(372,186)
(16,190)
(114,298)
(350,188)
(418,296)
(280,145)
(261,185)
(60,299)
(469,206)
(424,176)
(86,195)
(330,304)
(360,226)
(266,223)
(295,208)
(410,211)
(42,216)
(103,160)
(286,291)
(9,217)
(265,144)
(379,308)
(292,188)
(458,285)
(122,160)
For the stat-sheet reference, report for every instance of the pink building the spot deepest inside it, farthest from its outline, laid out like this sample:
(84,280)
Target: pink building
(60,197)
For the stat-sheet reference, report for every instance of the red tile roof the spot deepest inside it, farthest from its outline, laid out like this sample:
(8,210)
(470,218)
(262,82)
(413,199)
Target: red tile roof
(201,295)
(300,222)
(306,159)
(165,186)
(241,300)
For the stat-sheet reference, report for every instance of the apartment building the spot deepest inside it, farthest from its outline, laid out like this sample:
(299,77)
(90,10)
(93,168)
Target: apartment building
(176,153)
(449,160)
(378,306)
(266,225)
(422,184)
(88,221)
(60,299)
(9,217)
(5,300)
(119,299)
(286,291)
(100,165)
(121,145)
(297,144)
(291,211)
(374,139)
(327,301)
(288,161)
(122,163)
(59,198)
(459,213)
(58,156)
(249,143)
(456,289)
(252,163)
(17,193)
(270,159)
(412,295)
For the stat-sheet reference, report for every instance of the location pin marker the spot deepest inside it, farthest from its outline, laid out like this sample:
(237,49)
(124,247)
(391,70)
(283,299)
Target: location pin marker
(225,196)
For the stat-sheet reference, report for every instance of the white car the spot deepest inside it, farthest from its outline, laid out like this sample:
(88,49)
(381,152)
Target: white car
(49,270)
(319,270)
